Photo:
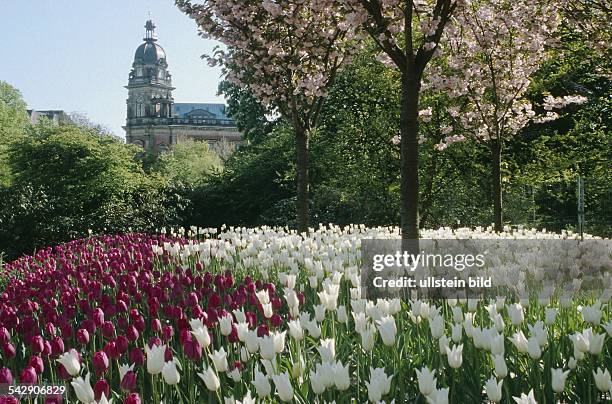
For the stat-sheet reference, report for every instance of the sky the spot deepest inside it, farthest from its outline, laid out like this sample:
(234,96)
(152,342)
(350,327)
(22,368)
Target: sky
(75,55)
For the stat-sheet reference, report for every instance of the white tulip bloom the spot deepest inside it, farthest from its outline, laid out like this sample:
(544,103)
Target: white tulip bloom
(526,398)
(202,336)
(327,350)
(83,390)
(516,313)
(438,396)
(602,380)
(170,373)
(592,314)
(558,379)
(455,356)
(387,329)
(493,389)
(436,326)
(266,347)
(225,325)
(426,380)
(456,332)
(550,314)
(70,361)
(283,386)
(252,341)
(342,378)
(533,348)
(295,330)
(155,358)
(317,382)
(367,338)
(501,369)
(219,359)
(210,379)
(520,342)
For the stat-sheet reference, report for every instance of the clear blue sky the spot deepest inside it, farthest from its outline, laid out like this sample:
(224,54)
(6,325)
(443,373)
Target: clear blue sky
(76,55)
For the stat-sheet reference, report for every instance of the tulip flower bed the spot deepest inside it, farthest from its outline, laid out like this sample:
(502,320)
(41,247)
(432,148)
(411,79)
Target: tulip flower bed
(265,314)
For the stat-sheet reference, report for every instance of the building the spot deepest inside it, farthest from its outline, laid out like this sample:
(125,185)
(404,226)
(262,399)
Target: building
(154,121)
(56,116)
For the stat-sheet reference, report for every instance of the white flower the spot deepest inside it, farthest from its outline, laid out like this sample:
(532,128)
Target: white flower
(266,347)
(283,386)
(241,330)
(367,338)
(263,296)
(202,336)
(155,358)
(251,341)
(319,312)
(170,373)
(210,379)
(455,356)
(436,325)
(515,311)
(427,381)
(494,389)
(608,328)
(501,369)
(267,310)
(438,396)
(519,341)
(443,343)
(602,380)
(262,385)
(225,325)
(327,350)
(581,340)
(378,385)
(70,361)
(85,393)
(497,345)
(219,359)
(295,330)
(317,382)
(456,331)
(596,343)
(526,398)
(387,329)
(533,348)
(342,379)
(550,315)
(235,375)
(558,379)
(592,314)
(360,321)
(572,363)
(341,313)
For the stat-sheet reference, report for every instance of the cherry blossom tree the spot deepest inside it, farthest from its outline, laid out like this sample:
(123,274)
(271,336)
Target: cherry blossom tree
(286,53)
(491,49)
(408,33)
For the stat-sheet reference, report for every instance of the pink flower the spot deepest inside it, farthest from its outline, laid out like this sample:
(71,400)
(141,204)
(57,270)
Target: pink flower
(37,364)
(82,336)
(28,376)
(101,387)
(37,344)
(5,376)
(128,383)
(133,398)
(100,362)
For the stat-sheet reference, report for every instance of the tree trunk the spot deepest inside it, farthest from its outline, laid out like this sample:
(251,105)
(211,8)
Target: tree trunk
(301,140)
(496,147)
(409,169)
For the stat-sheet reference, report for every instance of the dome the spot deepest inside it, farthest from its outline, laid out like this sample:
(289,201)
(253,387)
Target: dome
(149,53)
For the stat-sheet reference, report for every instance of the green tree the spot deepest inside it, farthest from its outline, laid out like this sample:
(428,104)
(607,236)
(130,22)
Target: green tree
(68,180)
(188,162)
(13,124)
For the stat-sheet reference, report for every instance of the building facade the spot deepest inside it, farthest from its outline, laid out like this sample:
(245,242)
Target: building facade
(154,121)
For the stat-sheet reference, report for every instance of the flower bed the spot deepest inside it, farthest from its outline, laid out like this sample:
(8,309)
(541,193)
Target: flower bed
(267,314)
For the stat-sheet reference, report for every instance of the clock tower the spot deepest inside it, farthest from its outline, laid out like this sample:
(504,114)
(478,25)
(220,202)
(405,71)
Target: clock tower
(149,103)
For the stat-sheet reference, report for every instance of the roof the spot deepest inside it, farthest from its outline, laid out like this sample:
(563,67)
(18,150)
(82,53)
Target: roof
(182,109)
(149,53)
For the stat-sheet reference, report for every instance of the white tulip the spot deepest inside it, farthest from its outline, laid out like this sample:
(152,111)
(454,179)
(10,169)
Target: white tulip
(515,311)
(123,369)
(210,379)
(520,342)
(266,347)
(225,325)
(533,348)
(438,396)
(342,316)
(550,314)
(608,328)
(342,379)
(155,358)
(219,359)
(267,310)
(494,389)
(572,363)
(295,330)
(367,338)
(501,369)
(558,379)
(592,314)
(202,336)
(387,329)
(602,380)
(596,343)
(317,382)
(455,356)
(83,390)
(457,314)
(170,373)
(443,344)
(456,331)
(241,330)
(320,313)
(252,341)
(327,350)
(426,380)
(70,361)
(283,386)
(436,326)
(526,398)
(262,385)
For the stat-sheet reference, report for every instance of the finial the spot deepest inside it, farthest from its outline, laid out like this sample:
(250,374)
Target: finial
(150,31)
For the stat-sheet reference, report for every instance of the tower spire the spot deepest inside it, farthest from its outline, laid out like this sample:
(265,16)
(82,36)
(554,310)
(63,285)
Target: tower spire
(150,31)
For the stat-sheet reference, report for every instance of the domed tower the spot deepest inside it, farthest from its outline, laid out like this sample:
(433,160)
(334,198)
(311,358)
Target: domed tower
(149,102)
